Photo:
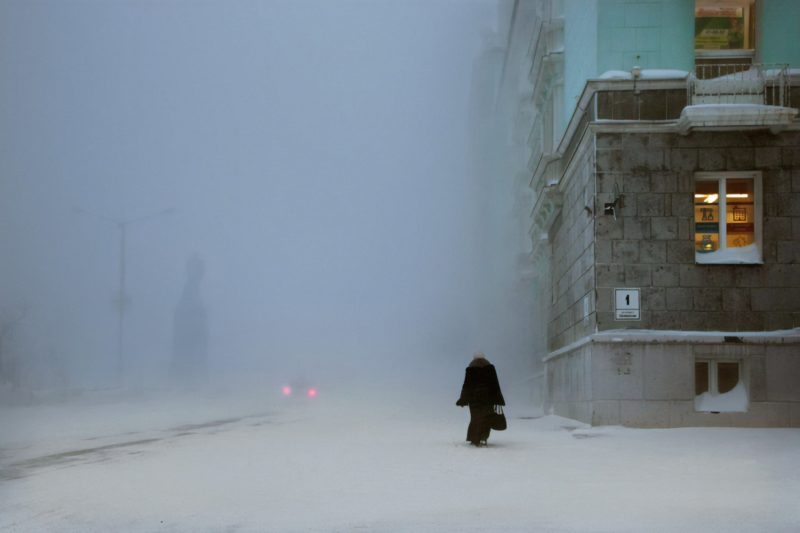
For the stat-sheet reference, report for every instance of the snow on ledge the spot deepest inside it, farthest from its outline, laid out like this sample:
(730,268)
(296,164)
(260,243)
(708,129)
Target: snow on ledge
(755,73)
(745,255)
(660,335)
(647,74)
(663,336)
(616,75)
(734,115)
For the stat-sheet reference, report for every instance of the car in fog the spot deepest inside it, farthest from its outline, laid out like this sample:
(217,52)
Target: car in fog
(299,388)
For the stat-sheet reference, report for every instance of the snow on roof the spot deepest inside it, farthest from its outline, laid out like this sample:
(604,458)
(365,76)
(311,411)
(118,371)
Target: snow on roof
(647,74)
(616,75)
(663,74)
(757,73)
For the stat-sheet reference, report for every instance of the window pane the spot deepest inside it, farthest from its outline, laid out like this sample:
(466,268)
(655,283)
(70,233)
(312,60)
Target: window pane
(719,28)
(706,216)
(727,376)
(739,213)
(700,377)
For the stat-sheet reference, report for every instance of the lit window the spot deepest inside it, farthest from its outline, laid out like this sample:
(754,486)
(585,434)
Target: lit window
(727,217)
(718,386)
(721,25)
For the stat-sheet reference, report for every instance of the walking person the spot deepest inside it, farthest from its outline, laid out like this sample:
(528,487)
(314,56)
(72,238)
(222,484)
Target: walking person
(481,391)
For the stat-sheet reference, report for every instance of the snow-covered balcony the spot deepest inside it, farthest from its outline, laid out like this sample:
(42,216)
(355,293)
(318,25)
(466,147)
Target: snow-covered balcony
(715,96)
(738,96)
(740,84)
(650,95)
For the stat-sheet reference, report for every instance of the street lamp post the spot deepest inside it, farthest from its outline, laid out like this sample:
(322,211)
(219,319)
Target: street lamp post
(122,300)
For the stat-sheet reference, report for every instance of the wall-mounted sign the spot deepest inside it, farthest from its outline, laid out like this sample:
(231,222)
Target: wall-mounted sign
(626,304)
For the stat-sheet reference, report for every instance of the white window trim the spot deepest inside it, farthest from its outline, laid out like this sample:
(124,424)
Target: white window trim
(758,210)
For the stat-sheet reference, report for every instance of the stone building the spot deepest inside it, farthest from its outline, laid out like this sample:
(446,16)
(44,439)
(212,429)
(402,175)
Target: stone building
(659,145)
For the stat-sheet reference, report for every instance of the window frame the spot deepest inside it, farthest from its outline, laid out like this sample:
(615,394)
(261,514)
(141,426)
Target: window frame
(713,373)
(713,380)
(749,37)
(722,178)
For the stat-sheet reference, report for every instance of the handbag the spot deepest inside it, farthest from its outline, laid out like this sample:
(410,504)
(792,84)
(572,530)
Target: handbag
(497,420)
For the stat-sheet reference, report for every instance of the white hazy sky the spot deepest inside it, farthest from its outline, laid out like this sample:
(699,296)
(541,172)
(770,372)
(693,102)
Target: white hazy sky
(315,153)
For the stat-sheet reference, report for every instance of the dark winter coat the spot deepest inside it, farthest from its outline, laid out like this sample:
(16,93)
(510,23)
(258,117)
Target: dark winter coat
(481,386)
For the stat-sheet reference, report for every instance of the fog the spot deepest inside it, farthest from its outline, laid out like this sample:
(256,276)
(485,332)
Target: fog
(312,156)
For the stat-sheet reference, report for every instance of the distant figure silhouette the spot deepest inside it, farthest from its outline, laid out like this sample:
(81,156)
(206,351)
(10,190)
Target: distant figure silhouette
(189,330)
(481,391)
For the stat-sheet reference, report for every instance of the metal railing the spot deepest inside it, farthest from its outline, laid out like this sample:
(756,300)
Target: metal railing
(739,83)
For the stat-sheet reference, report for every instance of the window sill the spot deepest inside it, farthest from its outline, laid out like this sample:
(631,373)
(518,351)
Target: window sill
(731,262)
(748,255)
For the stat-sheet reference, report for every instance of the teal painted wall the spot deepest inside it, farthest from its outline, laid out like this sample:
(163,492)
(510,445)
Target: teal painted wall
(607,35)
(661,33)
(778,32)
(580,51)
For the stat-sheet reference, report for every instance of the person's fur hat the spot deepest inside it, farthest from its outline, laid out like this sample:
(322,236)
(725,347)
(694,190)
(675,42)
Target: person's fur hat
(479,360)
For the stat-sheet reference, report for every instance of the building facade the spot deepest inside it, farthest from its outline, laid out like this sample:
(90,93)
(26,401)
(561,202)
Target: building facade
(656,148)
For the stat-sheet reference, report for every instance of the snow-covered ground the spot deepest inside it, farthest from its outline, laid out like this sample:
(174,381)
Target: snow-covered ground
(381,461)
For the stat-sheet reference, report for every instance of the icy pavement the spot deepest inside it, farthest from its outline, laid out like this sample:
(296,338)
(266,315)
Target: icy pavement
(359,464)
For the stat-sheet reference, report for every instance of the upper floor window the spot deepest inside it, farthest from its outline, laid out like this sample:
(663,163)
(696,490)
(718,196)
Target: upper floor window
(727,217)
(724,25)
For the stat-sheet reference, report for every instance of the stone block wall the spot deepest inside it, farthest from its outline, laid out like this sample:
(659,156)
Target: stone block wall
(651,384)
(572,260)
(569,384)
(651,243)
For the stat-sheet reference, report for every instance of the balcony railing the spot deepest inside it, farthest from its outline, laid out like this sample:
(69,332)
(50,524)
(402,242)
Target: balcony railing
(740,84)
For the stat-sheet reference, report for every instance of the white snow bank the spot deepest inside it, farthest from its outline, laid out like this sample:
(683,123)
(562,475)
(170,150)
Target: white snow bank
(731,256)
(107,418)
(733,401)
(388,463)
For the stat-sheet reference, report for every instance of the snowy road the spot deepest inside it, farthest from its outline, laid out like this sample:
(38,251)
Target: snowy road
(350,465)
